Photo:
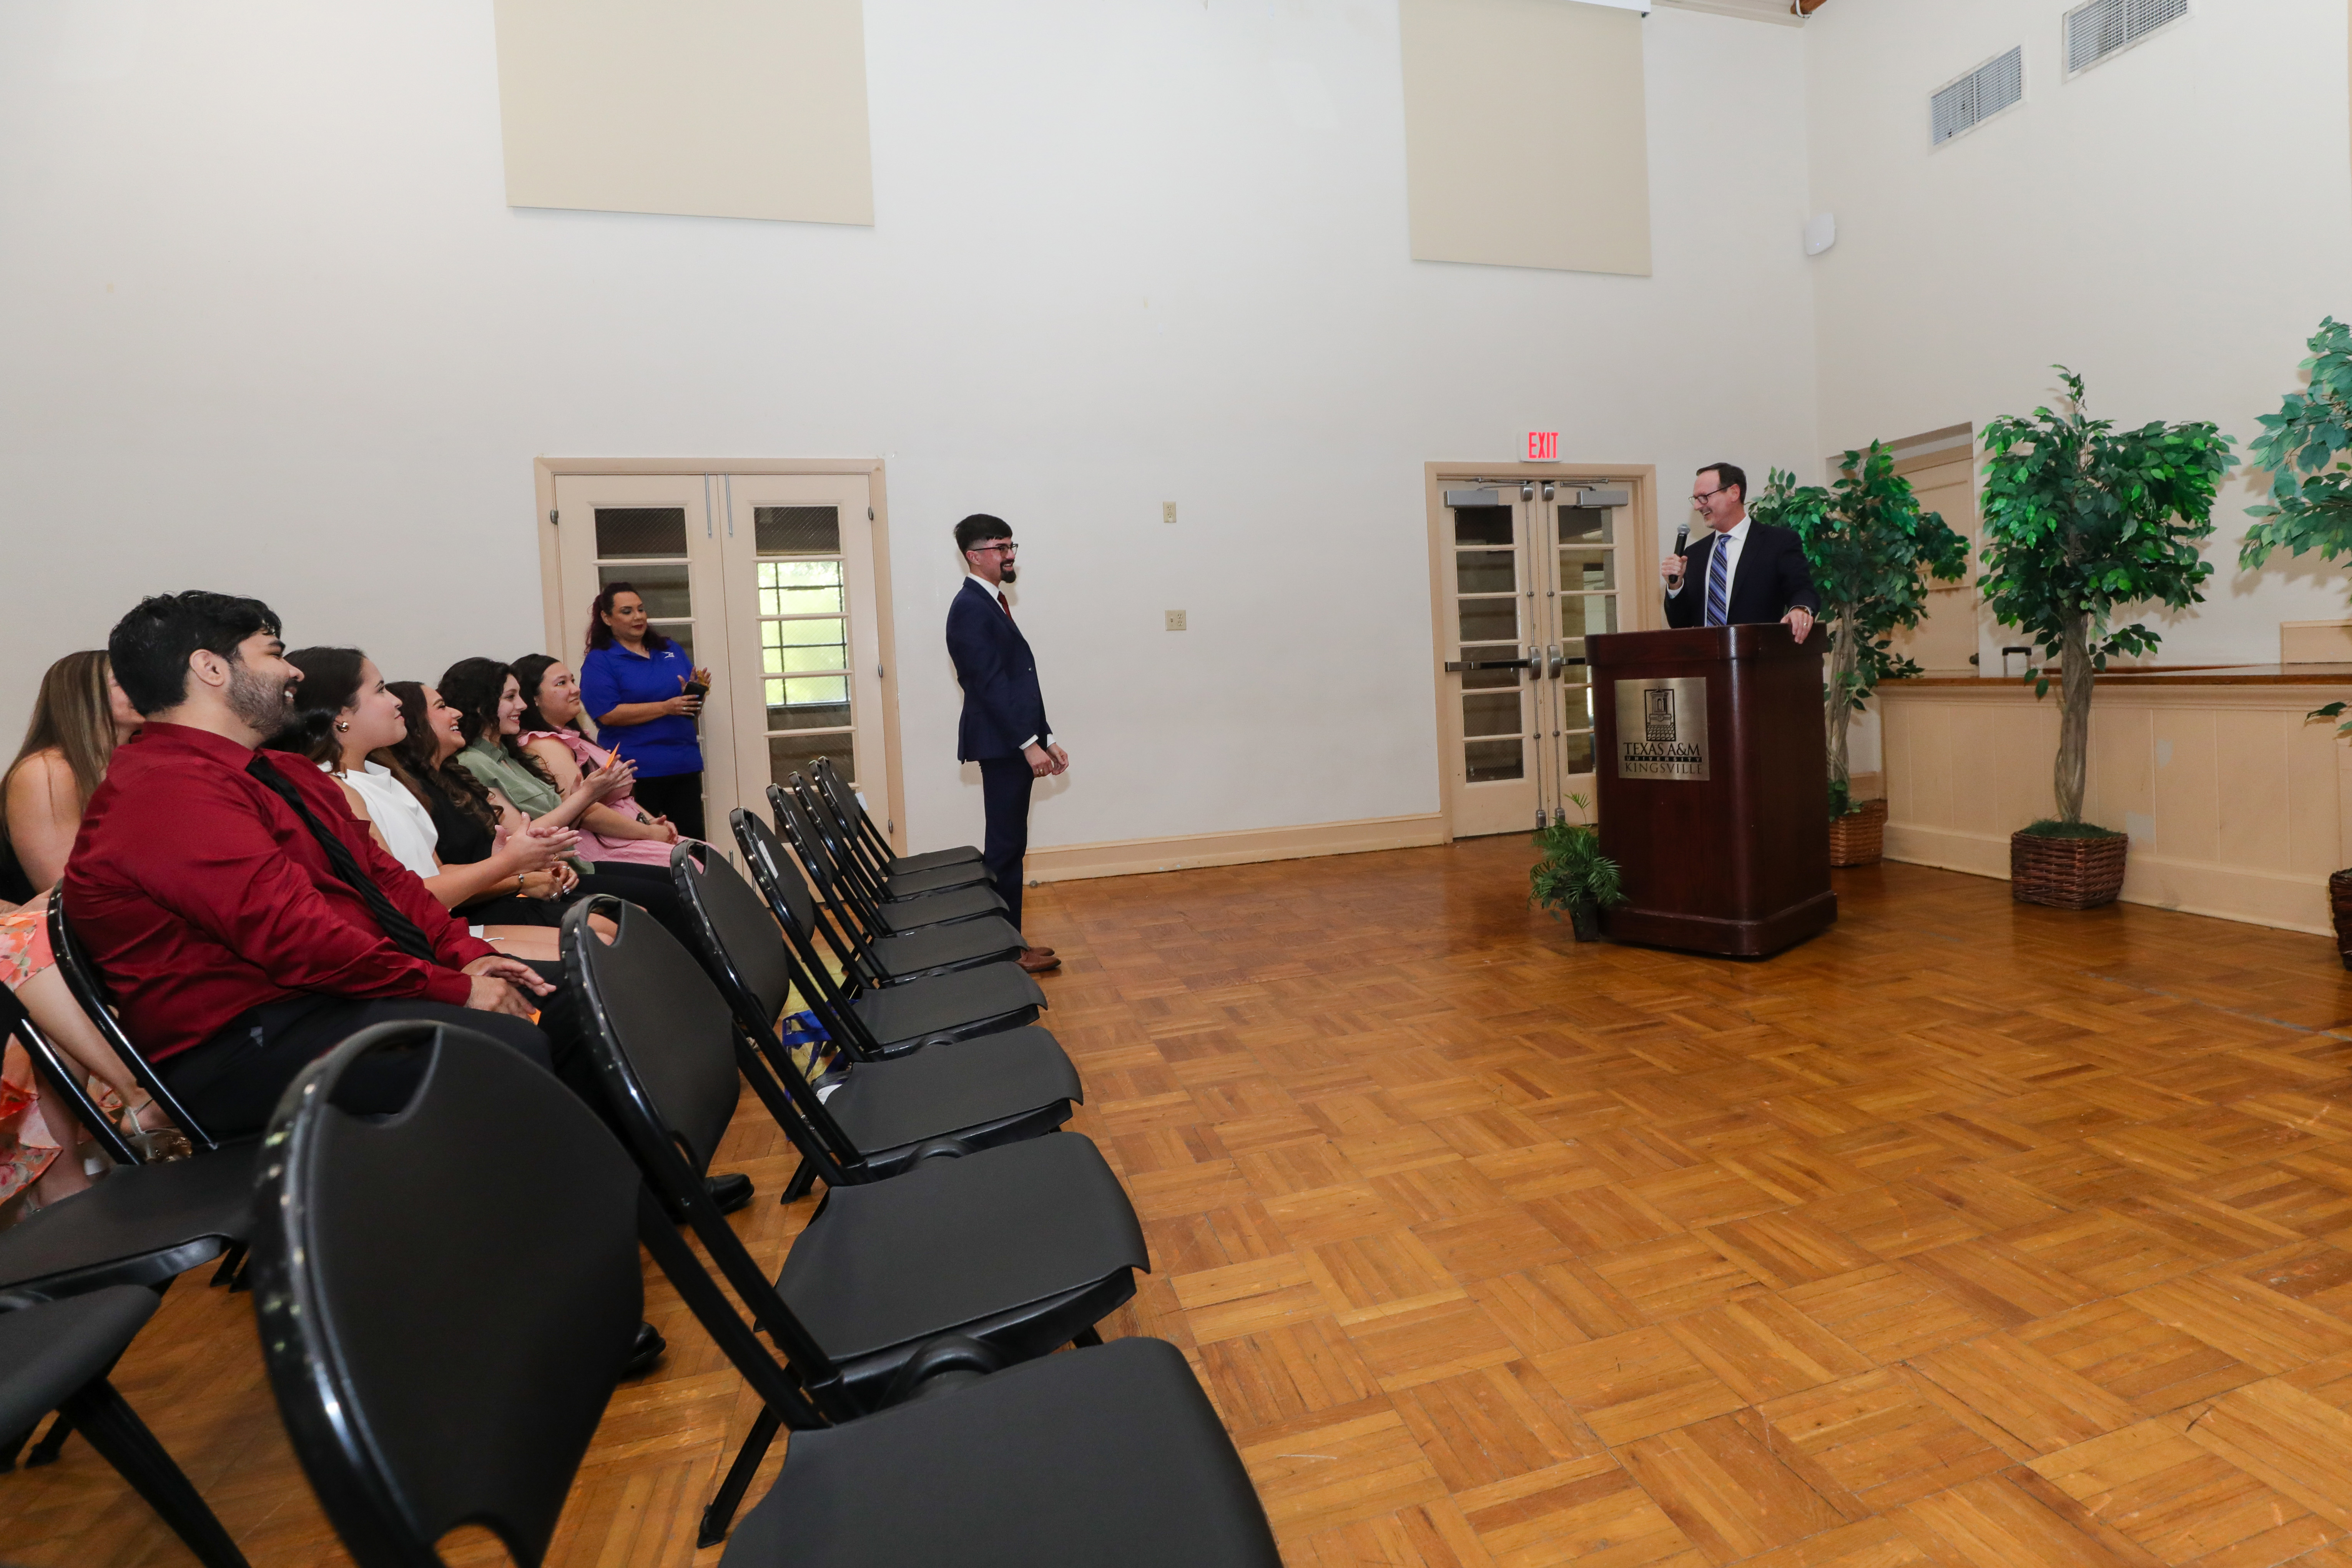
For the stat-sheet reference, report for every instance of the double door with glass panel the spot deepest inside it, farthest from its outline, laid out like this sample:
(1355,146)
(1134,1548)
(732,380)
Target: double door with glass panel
(1529,570)
(769,580)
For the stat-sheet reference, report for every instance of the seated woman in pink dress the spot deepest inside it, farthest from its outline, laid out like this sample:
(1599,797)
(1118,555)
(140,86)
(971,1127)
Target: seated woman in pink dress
(79,717)
(617,829)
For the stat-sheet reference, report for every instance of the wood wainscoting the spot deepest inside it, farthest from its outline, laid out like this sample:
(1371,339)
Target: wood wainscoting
(2238,806)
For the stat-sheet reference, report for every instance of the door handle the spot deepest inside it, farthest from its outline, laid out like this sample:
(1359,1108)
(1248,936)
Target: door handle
(1556,664)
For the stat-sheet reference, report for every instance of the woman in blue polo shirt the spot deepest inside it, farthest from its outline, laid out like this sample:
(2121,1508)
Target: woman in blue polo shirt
(633,683)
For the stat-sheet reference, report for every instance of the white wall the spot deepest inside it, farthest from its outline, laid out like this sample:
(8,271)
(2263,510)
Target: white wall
(269,327)
(2172,224)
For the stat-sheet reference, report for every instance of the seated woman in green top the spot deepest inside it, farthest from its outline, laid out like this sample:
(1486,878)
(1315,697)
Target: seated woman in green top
(490,706)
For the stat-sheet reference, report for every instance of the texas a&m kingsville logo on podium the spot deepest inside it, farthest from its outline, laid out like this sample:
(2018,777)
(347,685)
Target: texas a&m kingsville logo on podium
(1662,728)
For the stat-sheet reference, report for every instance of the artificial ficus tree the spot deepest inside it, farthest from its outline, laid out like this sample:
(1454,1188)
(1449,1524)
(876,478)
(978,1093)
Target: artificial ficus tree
(2083,522)
(1872,550)
(2308,436)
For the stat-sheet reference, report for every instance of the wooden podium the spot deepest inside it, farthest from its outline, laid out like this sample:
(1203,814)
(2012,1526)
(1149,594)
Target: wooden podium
(1714,781)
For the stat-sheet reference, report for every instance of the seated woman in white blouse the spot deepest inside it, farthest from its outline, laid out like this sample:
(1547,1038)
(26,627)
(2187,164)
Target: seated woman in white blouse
(343,713)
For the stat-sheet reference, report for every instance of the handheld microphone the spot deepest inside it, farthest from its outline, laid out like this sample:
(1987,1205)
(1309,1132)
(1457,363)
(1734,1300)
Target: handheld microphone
(1681,538)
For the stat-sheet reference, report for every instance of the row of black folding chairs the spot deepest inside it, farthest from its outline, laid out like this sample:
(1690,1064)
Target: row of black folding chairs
(908,1335)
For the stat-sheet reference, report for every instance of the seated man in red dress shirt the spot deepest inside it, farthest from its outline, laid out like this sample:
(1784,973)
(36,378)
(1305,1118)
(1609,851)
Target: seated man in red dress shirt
(245,920)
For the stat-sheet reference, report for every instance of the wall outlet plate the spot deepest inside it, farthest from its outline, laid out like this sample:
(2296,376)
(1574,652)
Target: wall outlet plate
(1168,511)
(1175,620)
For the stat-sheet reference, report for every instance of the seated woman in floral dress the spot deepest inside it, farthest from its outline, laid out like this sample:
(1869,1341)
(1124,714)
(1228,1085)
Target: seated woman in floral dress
(79,717)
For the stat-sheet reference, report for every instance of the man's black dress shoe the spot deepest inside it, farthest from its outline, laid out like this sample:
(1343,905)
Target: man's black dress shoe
(730,1192)
(646,1352)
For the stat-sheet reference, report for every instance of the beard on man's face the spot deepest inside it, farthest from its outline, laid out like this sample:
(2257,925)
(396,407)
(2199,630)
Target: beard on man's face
(267,705)
(1012,574)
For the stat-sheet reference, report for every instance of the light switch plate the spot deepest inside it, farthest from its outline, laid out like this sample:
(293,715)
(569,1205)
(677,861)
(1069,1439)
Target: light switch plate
(1175,620)
(1168,511)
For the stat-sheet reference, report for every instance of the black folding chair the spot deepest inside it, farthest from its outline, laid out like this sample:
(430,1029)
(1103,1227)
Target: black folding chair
(141,1224)
(882,912)
(866,948)
(415,1408)
(1022,1247)
(997,1088)
(54,1355)
(868,839)
(896,1017)
(90,990)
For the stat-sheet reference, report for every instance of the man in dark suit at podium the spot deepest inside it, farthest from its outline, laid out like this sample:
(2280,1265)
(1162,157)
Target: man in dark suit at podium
(1743,571)
(1004,727)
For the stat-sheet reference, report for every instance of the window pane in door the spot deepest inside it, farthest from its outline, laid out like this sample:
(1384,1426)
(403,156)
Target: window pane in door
(806,714)
(1581,615)
(1587,570)
(790,755)
(1482,525)
(1486,572)
(661,587)
(798,530)
(633,532)
(1579,749)
(1491,713)
(1489,761)
(1489,620)
(1584,525)
(799,587)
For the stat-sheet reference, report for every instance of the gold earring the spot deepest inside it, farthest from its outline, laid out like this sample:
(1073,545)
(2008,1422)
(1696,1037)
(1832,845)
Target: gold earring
(343,727)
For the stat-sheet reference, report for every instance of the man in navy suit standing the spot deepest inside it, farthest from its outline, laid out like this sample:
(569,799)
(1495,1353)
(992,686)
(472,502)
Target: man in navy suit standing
(1744,570)
(1004,728)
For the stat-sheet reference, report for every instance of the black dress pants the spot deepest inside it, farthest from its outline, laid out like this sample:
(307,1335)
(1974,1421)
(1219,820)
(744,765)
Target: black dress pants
(232,1082)
(1005,787)
(678,797)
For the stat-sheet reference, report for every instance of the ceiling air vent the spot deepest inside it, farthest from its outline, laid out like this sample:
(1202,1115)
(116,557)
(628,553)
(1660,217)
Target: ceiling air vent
(2104,27)
(1996,85)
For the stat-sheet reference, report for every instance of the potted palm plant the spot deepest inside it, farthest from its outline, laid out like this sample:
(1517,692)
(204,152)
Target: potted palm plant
(1573,875)
(2083,522)
(2310,509)
(1872,551)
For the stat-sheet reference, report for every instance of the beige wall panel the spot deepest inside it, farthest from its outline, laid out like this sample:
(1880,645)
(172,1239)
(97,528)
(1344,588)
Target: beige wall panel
(2314,761)
(2021,781)
(2315,642)
(2254,790)
(1524,143)
(2188,799)
(2250,803)
(711,108)
(1974,807)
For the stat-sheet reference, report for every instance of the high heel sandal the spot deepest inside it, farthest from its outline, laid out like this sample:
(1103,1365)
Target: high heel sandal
(154,1143)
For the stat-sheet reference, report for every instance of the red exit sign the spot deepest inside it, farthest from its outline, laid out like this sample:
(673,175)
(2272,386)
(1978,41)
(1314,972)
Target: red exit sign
(1543,446)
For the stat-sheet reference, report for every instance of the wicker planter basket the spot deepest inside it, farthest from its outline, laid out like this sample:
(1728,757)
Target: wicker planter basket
(1859,837)
(2340,900)
(2067,873)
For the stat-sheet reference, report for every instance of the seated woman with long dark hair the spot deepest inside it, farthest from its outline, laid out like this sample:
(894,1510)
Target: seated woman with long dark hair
(349,721)
(617,828)
(489,701)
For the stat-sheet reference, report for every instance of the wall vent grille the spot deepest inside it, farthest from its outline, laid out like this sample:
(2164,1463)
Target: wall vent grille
(2104,27)
(1996,85)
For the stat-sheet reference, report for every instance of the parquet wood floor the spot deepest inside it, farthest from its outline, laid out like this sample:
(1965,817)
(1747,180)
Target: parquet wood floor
(1967,1234)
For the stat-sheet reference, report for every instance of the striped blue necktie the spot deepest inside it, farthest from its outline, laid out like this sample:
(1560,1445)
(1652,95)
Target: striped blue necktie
(1719,582)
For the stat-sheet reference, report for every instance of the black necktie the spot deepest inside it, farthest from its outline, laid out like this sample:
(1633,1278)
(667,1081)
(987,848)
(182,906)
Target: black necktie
(403,931)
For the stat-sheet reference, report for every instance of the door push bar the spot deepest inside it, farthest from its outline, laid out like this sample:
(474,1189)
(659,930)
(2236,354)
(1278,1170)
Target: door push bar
(1540,660)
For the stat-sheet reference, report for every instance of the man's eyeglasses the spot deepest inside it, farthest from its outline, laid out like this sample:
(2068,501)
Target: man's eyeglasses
(1699,500)
(998,549)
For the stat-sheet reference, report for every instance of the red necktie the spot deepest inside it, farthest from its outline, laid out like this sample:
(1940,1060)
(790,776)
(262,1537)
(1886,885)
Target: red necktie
(1003,606)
